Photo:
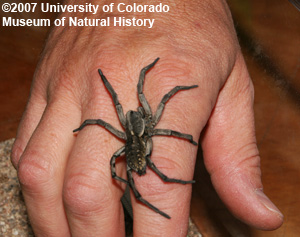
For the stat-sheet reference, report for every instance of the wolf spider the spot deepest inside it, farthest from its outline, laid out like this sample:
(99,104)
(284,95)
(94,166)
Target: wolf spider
(139,128)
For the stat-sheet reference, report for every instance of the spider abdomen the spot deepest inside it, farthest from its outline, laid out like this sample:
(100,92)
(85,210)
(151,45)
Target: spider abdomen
(135,150)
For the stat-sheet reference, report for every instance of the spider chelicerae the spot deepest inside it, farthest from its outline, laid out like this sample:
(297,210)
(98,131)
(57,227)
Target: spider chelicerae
(139,128)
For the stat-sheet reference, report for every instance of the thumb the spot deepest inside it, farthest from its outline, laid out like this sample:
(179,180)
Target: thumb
(231,155)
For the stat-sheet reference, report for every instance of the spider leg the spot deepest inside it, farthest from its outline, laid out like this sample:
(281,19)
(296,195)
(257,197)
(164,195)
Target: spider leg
(139,197)
(156,170)
(114,96)
(166,97)
(140,85)
(168,132)
(106,125)
(113,165)
(164,177)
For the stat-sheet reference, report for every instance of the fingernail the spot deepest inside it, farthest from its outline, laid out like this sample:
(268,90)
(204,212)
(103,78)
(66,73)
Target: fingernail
(267,203)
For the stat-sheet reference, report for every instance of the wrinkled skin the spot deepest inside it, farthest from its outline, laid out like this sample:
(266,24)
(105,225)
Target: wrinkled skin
(66,179)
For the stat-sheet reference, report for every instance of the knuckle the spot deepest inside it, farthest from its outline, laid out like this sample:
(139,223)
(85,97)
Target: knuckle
(64,85)
(83,194)
(249,158)
(155,190)
(173,74)
(34,173)
(246,159)
(152,185)
(177,156)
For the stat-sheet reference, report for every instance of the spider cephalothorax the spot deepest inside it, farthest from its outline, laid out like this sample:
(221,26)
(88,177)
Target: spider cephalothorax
(139,128)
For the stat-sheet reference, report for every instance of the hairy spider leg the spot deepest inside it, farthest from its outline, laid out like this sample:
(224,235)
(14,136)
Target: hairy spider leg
(115,99)
(106,125)
(139,197)
(113,164)
(156,170)
(164,177)
(140,85)
(165,99)
(168,132)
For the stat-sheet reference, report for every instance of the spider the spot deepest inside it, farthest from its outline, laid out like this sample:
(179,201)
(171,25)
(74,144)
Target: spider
(139,128)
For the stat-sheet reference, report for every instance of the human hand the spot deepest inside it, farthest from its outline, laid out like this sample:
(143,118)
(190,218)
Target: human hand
(66,180)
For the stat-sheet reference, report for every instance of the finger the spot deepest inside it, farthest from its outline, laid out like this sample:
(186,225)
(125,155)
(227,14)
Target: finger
(41,169)
(231,154)
(174,157)
(31,117)
(91,197)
